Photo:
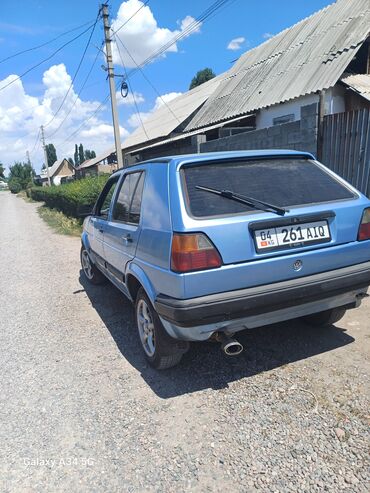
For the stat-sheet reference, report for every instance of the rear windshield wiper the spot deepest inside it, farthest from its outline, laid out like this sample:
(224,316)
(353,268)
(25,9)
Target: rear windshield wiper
(243,199)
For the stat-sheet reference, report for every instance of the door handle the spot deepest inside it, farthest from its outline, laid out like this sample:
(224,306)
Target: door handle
(127,239)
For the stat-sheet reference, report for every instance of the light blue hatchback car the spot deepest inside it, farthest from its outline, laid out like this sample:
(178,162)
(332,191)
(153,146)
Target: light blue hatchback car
(207,245)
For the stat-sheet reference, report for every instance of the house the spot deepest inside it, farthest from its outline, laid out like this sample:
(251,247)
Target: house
(280,94)
(60,171)
(321,62)
(104,163)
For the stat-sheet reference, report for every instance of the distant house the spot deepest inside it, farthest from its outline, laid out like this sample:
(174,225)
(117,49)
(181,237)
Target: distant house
(98,165)
(61,171)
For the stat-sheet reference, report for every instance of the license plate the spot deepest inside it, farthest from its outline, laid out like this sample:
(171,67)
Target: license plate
(290,236)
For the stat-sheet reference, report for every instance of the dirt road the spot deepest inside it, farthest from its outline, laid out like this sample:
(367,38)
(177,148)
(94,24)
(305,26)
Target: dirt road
(81,411)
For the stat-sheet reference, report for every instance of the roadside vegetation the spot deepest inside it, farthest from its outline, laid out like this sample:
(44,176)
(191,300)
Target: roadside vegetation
(72,199)
(60,222)
(20,177)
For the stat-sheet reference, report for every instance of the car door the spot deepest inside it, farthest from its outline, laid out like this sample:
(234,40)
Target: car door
(122,231)
(99,219)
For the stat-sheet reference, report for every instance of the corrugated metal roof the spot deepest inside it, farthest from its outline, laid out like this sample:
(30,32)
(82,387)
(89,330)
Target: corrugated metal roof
(360,83)
(169,116)
(181,136)
(308,57)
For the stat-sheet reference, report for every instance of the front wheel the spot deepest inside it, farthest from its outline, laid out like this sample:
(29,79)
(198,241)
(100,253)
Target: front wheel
(161,350)
(323,319)
(92,273)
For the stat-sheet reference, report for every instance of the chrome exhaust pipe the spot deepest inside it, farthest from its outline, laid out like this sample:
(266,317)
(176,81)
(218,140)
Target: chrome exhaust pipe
(230,346)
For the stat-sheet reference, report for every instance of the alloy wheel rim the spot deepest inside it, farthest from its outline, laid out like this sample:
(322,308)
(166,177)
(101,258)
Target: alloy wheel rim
(86,265)
(146,328)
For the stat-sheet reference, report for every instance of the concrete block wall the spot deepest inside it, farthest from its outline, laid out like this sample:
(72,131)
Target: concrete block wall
(299,135)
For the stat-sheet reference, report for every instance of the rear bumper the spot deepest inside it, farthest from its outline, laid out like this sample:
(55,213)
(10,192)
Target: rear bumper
(251,302)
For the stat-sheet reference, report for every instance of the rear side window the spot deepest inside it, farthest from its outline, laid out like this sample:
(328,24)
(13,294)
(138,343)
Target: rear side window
(128,205)
(282,182)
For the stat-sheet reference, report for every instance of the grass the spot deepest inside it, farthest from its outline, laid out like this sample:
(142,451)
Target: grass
(24,196)
(59,222)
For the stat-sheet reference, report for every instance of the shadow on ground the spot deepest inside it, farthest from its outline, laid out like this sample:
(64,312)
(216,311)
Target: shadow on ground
(205,366)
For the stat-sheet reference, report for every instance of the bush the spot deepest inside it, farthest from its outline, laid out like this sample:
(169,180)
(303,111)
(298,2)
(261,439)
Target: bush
(72,198)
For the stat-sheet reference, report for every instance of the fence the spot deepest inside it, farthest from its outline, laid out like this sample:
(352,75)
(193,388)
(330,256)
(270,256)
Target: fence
(346,147)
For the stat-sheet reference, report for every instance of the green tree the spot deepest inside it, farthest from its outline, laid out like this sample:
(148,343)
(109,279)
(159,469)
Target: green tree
(70,160)
(89,154)
(77,162)
(2,171)
(20,176)
(51,154)
(201,77)
(81,154)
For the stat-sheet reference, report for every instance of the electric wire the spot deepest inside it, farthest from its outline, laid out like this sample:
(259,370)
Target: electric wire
(46,42)
(132,92)
(36,141)
(147,79)
(47,58)
(128,20)
(77,96)
(182,34)
(76,72)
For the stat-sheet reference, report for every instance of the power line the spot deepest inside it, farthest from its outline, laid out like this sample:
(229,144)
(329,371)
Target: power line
(47,58)
(85,121)
(145,77)
(77,96)
(128,20)
(37,139)
(76,72)
(193,25)
(46,42)
(132,92)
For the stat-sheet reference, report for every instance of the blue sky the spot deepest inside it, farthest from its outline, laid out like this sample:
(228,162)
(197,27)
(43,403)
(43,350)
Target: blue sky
(25,23)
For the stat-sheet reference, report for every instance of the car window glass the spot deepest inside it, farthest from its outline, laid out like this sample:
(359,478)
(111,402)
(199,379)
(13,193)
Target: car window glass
(127,207)
(284,182)
(106,198)
(134,215)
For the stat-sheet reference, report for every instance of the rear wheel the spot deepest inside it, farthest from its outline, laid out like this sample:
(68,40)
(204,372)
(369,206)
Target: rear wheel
(323,319)
(161,350)
(92,273)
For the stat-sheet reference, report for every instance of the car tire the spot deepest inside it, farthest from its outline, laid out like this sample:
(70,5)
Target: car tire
(161,350)
(91,272)
(326,318)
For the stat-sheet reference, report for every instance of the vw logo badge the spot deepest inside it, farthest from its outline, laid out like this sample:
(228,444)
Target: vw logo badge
(297,265)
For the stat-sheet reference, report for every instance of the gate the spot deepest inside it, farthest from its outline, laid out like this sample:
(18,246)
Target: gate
(346,147)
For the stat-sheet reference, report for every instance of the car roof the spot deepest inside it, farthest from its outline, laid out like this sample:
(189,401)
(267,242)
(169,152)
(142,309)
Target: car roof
(212,156)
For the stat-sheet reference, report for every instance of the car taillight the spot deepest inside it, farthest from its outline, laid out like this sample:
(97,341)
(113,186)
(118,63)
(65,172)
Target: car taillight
(193,252)
(364,230)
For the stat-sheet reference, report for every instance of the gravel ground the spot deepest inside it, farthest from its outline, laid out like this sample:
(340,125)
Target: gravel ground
(81,411)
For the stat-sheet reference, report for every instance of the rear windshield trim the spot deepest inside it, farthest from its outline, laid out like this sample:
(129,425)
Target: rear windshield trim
(247,212)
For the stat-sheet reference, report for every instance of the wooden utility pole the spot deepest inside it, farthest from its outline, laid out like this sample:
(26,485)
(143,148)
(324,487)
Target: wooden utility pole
(112,86)
(45,153)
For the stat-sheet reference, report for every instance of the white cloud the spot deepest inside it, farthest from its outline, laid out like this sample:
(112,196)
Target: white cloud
(141,35)
(235,44)
(134,120)
(267,35)
(186,23)
(129,99)
(21,116)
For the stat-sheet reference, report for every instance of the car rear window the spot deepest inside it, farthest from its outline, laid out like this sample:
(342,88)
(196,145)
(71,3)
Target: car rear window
(282,182)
